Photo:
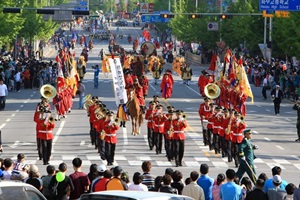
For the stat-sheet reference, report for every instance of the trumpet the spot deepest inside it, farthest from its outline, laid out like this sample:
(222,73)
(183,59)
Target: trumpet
(51,119)
(116,120)
(184,116)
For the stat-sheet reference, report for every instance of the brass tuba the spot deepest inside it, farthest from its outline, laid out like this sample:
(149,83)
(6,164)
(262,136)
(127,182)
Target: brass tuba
(48,91)
(212,91)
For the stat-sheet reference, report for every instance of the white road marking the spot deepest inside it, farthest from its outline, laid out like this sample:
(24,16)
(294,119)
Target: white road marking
(287,119)
(194,90)
(125,137)
(152,87)
(282,161)
(219,164)
(2,125)
(267,110)
(297,166)
(12,115)
(31,95)
(7,120)
(267,139)
(258,105)
(58,132)
(18,110)
(296,157)
(15,144)
(21,106)
(280,147)
(255,132)
(82,143)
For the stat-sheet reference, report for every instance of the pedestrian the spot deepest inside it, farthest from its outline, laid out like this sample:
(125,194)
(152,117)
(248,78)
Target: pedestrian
(257,193)
(116,183)
(3,94)
(17,78)
(216,188)
(269,183)
(148,178)
(79,179)
(177,181)
(34,178)
(93,174)
(166,187)
(137,183)
(166,86)
(230,190)
(277,96)
(290,188)
(60,185)
(8,167)
(98,183)
(297,107)
(276,193)
(96,76)
(179,125)
(265,87)
(246,157)
(110,128)
(193,190)
(205,182)
(47,179)
(81,94)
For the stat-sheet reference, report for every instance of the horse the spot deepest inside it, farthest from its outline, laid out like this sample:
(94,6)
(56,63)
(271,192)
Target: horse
(135,113)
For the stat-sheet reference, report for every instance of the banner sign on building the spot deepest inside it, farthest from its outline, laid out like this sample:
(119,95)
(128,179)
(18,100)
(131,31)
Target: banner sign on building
(118,80)
(284,5)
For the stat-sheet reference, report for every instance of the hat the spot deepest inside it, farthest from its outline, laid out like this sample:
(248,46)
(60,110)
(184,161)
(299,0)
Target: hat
(278,86)
(155,96)
(211,104)
(237,113)
(170,107)
(179,112)
(277,179)
(206,99)
(247,131)
(94,97)
(110,113)
(34,168)
(21,156)
(101,168)
(225,110)
(152,103)
(170,111)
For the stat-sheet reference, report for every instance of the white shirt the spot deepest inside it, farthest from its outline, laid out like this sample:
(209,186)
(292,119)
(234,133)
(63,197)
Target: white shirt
(18,77)
(3,90)
(6,175)
(140,187)
(265,83)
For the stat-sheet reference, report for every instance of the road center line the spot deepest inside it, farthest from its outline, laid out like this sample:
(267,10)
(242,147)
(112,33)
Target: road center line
(287,119)
(58,132)
(125,137)
(7,120)
(82,143)
(152,87)
(193,90)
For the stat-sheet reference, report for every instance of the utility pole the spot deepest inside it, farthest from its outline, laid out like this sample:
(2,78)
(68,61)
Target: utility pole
(169,5)
(196,4)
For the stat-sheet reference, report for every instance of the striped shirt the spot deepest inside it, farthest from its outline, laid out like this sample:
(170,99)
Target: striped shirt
(148,180)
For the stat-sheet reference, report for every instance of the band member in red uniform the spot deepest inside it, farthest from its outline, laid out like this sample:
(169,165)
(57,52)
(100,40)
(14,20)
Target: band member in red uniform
(168,134)
(237,128)
(241,99)
(224,126)
(145,84)
(150,113)
(158,121)
(110,128)
(98,126)
(179,124)
(92,118)
(216,130)
(210,125)
(228,135)
(45,135)
(166,87)
(204,112)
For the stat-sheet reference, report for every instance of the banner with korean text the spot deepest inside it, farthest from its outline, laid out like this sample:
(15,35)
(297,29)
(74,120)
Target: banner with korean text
(118,80)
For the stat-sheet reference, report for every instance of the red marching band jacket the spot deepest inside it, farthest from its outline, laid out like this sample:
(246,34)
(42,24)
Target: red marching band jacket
(179,126)
(110,129)
(210,124)
(98,125)
(224,125)
(167,126)
(91,112)
(45,129)
(158,122)
(149,116)
(217,124)
(237,129)
(204,111)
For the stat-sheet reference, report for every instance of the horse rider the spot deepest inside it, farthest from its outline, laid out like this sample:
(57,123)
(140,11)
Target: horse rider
(138,89)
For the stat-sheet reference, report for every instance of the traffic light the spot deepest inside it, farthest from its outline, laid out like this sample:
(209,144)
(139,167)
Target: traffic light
(194,16)
(167,15)
(226,16)
(45,11)
(11,10)
(80,12)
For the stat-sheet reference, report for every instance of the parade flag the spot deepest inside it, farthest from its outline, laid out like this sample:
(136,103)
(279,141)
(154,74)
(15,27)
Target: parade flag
(212,66)
(245,83)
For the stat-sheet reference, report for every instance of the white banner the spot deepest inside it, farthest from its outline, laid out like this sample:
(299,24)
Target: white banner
(118,80)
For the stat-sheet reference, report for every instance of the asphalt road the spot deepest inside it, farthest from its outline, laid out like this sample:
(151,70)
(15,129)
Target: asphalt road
(274,135)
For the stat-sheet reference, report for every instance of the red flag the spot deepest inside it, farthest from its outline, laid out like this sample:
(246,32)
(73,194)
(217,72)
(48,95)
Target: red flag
(212,66)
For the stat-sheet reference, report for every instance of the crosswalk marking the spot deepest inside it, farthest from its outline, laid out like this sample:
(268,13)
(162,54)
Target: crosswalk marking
(68,157)
(271,165)
(201,159)
(143,157)
(281,161)
(164,163)
(191,163)
(135,162)
(219,164)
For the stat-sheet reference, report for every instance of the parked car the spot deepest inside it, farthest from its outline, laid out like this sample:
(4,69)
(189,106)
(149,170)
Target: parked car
(121,22)
(19,190)
(132,195)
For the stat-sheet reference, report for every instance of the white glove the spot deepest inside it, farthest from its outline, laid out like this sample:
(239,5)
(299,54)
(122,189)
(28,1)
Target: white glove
(255,147)
(110,123)
(243,158)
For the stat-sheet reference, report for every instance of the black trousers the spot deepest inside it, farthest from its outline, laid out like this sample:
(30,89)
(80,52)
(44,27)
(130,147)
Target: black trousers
(92,133)
(178,147)
(46,148)
(158,142)
(151,138)
(2,102)
(110,152)
(101,148)
(223,146)
(234,152)
(276,106)
(38,142)
(216,143)
(264,92)
(248,167)
(169,148)
(18,85)
(229,154)
(209,142)
(205,137)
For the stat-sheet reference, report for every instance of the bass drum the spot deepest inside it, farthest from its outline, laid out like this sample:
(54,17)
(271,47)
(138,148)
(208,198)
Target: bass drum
(148,48)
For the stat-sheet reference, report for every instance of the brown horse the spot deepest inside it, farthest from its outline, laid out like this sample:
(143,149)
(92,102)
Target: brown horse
(135,112)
